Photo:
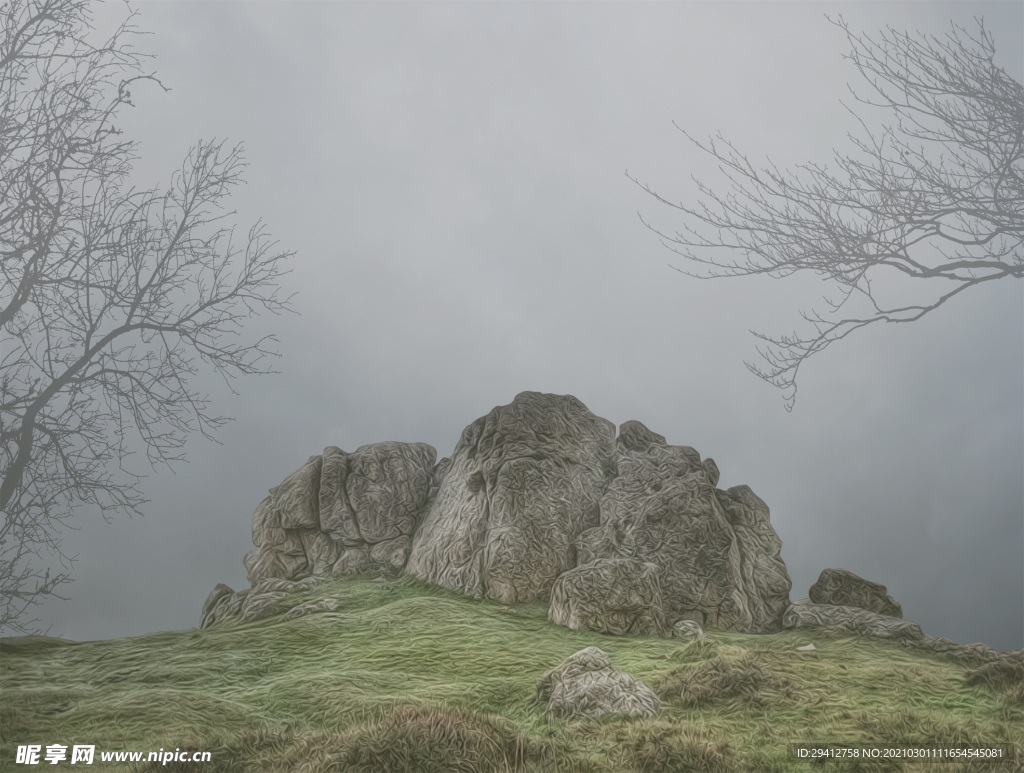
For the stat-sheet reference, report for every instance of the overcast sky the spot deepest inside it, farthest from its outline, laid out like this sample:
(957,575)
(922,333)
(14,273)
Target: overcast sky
(452,177)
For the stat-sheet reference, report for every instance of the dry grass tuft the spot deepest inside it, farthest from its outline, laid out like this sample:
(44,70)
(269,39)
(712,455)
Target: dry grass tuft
(404,738)
(725,680)
(659,746)
(423,738)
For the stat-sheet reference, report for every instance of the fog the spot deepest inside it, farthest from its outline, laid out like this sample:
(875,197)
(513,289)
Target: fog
(452,177)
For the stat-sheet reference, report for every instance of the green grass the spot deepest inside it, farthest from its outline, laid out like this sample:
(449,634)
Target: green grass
(403,676)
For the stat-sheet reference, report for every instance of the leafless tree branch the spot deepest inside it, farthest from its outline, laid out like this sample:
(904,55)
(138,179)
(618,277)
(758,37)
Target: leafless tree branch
(936,194)
(111,300)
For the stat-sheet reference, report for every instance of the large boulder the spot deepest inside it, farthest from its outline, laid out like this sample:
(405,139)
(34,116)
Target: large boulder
(843,588)
(717,556)
(523,482)
(343,514)
(610,595)
(585,685)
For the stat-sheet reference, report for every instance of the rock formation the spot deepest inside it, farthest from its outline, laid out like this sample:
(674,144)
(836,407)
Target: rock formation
(342,514)
(716,552)
(853,619)
(585,685)
(265,599)
(541,486)
(539,500)
(623,534)
(843,588)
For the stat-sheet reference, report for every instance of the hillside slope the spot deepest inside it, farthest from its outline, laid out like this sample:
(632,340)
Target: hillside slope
(404,676)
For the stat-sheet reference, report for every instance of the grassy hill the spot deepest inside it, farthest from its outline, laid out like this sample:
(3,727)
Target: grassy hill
(403,676)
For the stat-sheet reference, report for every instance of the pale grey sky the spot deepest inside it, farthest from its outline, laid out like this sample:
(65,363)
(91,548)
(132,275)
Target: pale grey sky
(452,177)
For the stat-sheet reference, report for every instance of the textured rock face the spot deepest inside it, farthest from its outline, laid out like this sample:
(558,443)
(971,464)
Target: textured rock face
(218,594)
(342,514)
(718,556)
(688,630)
(541,486)
(265,599)
(964,653)
(539,500)
(610,595)
(524,481)
(585,685)
(843,588)
(853,619)
(864,623)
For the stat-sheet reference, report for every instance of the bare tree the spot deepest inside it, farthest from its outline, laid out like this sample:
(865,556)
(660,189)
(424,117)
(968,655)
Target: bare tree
(937,194)
(110,299)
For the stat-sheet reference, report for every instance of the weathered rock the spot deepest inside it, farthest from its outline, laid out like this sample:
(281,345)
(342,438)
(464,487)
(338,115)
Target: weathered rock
(763,580)
(264,563)
(391,555)
(321,552)
(962,653)
(379,492)
(383,489)
(688,630)
(711,470)
(297,497)
(227,608)
(268,533)
(354,562)
(634,436)
(804,613)
(368,501)
(534,489)
(336,516)
(279,551)
(585,685)
(609,595)
(538,487)
(524,481)
(853,619)
(843,588)
(270,597)
(718,556)
(219,592)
